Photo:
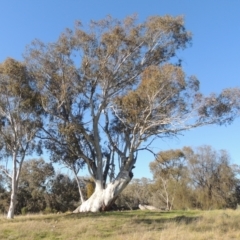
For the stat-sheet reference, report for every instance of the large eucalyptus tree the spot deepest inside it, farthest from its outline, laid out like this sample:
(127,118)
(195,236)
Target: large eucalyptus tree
(111,87)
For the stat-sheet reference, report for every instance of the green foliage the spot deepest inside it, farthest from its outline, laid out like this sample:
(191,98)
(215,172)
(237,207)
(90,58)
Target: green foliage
(4,194)
(201,178)
(33,185)
(24,210)
(49,210)
(4,200)
(215,179)
(63,195)
(40,190)
(137,192)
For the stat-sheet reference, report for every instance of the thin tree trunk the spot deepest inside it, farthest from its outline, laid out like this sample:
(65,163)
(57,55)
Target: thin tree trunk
(11,209)
(79,187)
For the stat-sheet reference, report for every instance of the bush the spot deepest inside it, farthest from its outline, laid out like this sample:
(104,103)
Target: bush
(49,210)
(24,210)
(90,188)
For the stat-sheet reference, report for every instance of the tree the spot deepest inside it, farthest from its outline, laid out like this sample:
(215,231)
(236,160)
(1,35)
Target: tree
(169,173)
(63,194)
(213,178)
(63,155)
(4,194)
(137,192)
(112,87)
(19,121)
(34,183)
(195,178)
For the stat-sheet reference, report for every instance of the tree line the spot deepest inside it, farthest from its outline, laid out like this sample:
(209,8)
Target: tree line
(42,189)
(97,96)
(200,178)
(187,178)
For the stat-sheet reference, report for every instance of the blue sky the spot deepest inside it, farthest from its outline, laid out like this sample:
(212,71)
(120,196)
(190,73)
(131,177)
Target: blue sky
(214,56)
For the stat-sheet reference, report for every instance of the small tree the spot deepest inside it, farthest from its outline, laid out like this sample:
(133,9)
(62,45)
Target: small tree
(213,178)
(61,153)
(4,194)
(137,192)
(200,177)
(63,195)
(19,121)
(34,185)
(169,174)
(110,88)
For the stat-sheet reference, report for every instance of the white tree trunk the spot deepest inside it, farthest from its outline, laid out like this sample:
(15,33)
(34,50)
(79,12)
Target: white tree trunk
(79,186)
(101,199)
(14,179)
(11,209)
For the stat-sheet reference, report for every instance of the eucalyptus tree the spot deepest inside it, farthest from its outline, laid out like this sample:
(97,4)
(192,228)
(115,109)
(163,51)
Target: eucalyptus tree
(63,195)
(34,184)
(200,177)
(170,175)
(110,87)
(212,176)
(19,122)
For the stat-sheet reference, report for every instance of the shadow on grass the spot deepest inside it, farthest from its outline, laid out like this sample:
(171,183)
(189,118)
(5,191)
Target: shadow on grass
(123,214)
(179,219)
(146,217)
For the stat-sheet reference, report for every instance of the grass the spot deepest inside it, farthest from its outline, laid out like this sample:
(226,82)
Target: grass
(132,225)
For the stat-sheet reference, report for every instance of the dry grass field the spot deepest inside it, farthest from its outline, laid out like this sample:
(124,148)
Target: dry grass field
(132,225)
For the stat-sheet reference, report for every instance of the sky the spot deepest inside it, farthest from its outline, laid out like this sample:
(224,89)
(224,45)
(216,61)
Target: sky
(214,56)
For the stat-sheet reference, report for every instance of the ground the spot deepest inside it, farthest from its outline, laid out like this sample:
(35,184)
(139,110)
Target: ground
(134,225)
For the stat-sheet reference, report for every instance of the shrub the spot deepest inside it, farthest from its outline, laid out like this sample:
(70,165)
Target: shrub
(24,210)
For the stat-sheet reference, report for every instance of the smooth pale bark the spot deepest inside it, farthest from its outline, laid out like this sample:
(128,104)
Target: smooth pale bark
(11,209)
(14,177)
(79,187)
(103,198)
(80,191)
